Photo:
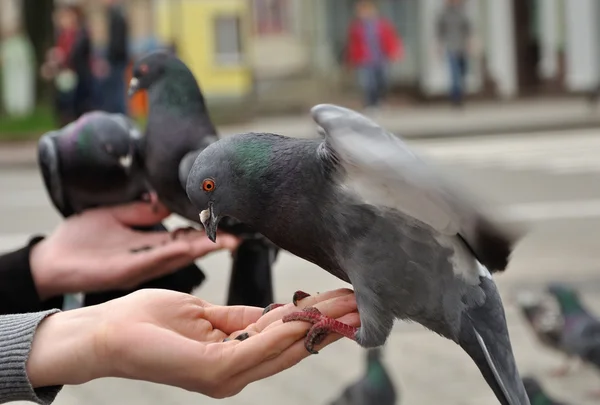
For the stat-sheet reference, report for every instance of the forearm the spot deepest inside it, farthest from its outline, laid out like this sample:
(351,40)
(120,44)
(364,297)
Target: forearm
(64,349)
(18,290)
(16,336)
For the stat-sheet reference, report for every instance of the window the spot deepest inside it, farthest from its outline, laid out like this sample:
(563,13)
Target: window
(228,46)
(271,16)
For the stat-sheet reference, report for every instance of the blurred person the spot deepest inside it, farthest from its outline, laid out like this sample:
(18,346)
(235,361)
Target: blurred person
(112,68)
(97,251)
(68,64)
(18,73)
(372,44)
(157,336)
(454,36)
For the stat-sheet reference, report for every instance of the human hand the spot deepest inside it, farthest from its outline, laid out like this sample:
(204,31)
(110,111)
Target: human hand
(98,251)
(171,338)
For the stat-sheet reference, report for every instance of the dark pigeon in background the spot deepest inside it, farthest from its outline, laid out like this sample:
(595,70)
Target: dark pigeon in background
(537,395)
(178,129)
(362,206)
(547,324)
(96,162)
(580,335)
(374,387)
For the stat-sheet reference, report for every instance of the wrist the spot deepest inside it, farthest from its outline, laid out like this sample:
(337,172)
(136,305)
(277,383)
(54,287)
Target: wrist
(65,350)
(42,272)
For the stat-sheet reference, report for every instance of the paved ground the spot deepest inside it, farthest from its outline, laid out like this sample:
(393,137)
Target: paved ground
(550,182)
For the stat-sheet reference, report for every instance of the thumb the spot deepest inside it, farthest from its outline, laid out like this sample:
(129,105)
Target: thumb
(139,213)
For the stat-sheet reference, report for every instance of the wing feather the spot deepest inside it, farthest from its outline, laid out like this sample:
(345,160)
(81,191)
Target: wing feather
(381,168)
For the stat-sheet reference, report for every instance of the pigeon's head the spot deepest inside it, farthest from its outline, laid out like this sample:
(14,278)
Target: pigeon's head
(152,68)
(101,139)
(225,180)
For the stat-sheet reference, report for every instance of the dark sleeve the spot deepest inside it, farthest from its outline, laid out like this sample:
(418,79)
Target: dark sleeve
(117,45)
(18,293)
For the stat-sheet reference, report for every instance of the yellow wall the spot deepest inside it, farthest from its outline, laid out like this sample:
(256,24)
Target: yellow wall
(196,42)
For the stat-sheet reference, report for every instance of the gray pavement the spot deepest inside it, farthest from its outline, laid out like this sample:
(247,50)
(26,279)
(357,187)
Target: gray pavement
(548,182)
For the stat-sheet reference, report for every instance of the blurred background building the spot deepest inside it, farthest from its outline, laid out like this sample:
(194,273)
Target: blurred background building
(289,54)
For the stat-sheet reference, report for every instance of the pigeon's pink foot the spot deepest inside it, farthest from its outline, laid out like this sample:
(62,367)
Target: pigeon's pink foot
(271,307)
(299,296)
(322,326)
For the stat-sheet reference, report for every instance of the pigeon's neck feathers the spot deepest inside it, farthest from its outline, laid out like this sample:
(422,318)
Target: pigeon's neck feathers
(253,157)
(570,304)
(541,399)
(177,92)
(376,374)
(78,142)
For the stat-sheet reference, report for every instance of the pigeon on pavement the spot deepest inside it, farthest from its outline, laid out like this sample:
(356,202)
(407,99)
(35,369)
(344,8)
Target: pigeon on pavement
(374,387)
(546,323)
(580,335)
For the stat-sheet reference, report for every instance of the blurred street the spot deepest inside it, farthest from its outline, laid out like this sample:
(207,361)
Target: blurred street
(550,181)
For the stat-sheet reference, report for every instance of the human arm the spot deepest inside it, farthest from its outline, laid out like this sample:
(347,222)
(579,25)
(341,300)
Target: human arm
(176,339)
(18,293)
(96,251)
(16,336)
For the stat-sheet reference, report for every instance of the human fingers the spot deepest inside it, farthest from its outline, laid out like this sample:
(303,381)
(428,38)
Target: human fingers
(201,245)
(278,313)
(133,268)
(272,342)
(138,213)
(286,359)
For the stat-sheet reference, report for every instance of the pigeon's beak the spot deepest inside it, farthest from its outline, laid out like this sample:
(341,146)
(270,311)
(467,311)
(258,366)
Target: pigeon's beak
(134,86)
(210,222)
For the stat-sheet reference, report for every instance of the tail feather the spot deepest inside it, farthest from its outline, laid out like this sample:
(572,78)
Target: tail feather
(484,336)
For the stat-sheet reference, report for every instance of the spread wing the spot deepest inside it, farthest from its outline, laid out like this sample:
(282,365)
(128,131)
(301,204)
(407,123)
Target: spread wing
(381,168)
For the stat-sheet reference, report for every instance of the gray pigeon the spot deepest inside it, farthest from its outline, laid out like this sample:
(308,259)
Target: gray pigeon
(178,129)
(375,387)
(178,126)
(363,207)
(580,335)
(93,162)
(547,325)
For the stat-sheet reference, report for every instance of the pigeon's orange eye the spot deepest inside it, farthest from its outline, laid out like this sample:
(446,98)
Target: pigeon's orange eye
(208,185)
(144,68)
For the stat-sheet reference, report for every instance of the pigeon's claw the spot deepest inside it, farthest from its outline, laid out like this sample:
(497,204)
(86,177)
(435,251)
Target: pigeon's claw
(181,231)
(299,296)
(322,326)
(271,307)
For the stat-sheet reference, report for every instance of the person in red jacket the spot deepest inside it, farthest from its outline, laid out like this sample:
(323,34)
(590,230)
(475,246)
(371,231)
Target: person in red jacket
(372,43)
